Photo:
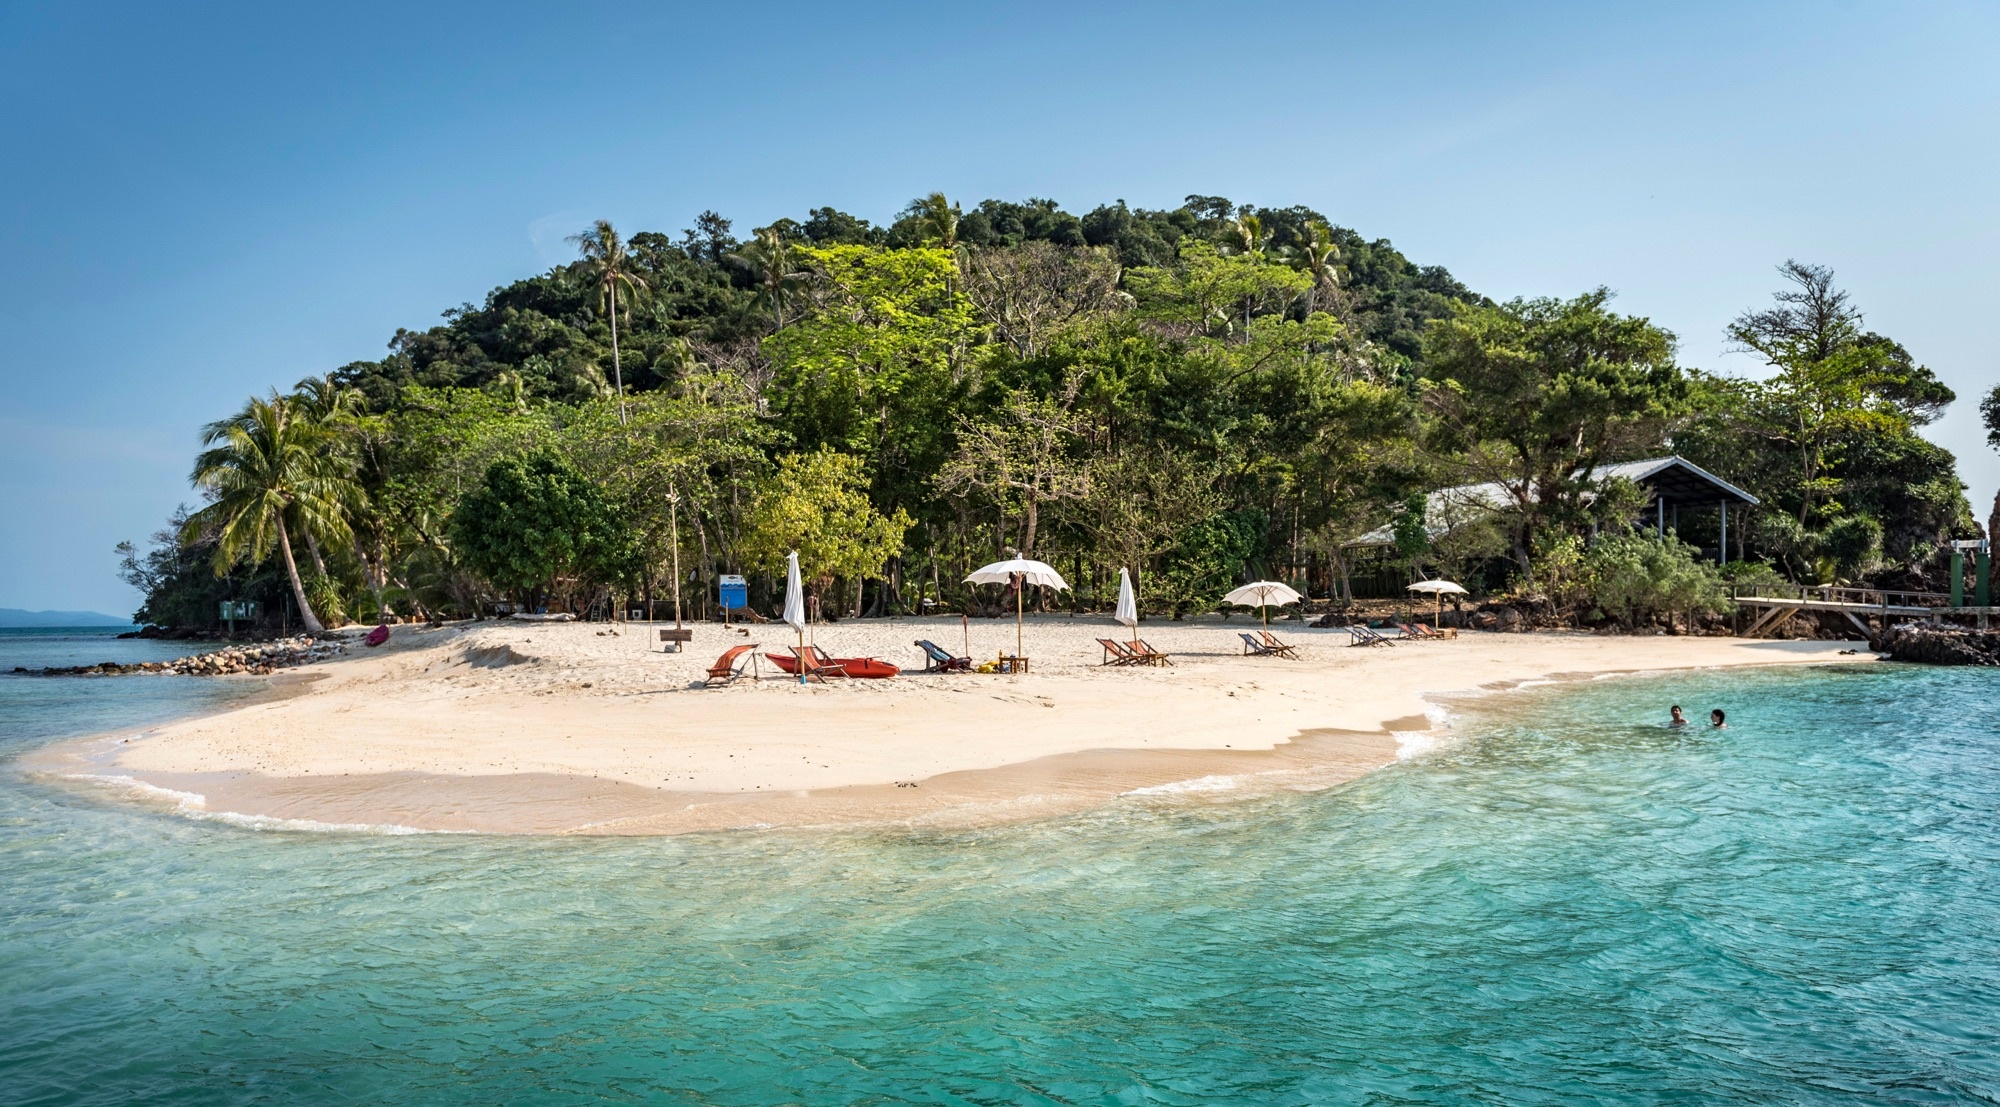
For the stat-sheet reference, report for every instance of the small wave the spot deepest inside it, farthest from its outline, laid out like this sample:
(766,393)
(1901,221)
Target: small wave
(194,805)
(1183,787)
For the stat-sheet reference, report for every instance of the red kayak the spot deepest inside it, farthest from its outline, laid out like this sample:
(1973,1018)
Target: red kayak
(869,668)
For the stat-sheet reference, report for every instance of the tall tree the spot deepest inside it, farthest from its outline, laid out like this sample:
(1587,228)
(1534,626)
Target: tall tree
(1536,394)
(263,465)
(607,259)
(767,257)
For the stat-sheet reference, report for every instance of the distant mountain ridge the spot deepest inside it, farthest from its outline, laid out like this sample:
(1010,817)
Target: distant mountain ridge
(15,617)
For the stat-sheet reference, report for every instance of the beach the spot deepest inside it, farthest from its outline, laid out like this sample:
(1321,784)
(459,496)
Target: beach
(552,728)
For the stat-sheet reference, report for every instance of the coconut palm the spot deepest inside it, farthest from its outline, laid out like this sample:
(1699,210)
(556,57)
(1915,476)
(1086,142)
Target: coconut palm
(263,465)
(768,258)
(1319,257)
(609,263)
(937,220)
(1247,236)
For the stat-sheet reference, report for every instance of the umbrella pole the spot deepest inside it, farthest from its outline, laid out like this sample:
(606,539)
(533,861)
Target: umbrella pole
(1020,588)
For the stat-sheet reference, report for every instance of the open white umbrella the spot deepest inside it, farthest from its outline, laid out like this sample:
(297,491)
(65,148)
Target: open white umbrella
(1028,571)
(1437,589)
(1263,594)
(1128,603)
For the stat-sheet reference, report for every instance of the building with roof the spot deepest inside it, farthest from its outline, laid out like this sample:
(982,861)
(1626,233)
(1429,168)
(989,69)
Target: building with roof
(1674,482)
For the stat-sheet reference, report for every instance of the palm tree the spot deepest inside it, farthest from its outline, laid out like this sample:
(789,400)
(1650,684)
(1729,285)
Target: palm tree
(1319,257)
(608,261)
(937,220)
(264,464)
(768,257)
(1247,234)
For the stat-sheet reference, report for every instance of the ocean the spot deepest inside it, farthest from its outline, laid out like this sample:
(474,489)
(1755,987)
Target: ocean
(1560,901)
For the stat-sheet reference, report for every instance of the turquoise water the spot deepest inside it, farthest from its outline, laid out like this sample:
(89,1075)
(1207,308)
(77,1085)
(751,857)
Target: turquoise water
(1561,906)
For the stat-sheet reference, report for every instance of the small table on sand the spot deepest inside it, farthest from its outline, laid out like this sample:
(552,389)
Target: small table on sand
(1010,664)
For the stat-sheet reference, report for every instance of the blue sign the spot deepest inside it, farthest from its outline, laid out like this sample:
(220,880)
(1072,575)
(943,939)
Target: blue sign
(735,592)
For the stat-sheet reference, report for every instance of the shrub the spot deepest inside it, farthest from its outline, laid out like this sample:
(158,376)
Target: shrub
(1634,577)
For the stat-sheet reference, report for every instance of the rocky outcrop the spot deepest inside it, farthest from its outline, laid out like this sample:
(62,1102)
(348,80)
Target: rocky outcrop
(286,653)
(1932,644)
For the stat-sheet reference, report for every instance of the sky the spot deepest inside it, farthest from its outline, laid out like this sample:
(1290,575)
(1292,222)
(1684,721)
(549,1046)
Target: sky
(199,202)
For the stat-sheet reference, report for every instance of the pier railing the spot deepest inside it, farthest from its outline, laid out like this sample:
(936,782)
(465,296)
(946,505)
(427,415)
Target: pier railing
(1834,594)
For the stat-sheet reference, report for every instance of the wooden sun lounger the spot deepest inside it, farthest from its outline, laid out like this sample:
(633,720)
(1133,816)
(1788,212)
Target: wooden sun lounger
(1365,636)
(1429,631)
(816,664)
(730,665)
(1252,647)
(1118,653)
(937,659)
(1277,647)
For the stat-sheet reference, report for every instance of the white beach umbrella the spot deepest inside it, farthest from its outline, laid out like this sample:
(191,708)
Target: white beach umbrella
(795,597)
(1029,572)
(1263,594)
(1437,589)
(1128,603)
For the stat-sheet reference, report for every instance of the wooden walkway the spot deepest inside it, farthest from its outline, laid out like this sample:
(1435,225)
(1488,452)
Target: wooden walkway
(1853,603)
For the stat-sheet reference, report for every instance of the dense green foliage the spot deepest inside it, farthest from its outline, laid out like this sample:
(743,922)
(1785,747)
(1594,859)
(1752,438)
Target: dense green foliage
(533,523)
(1202,395)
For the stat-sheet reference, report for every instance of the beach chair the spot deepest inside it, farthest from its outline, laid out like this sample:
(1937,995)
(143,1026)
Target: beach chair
(1152,656)
(730,665)
(1366,636)
(1429,631)
(1277,647)
(1411,632)
(1252,647)
(937,659)
(814,663)
(1118,653)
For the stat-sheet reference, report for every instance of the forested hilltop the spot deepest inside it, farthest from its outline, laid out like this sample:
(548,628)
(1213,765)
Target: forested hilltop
(1201,395)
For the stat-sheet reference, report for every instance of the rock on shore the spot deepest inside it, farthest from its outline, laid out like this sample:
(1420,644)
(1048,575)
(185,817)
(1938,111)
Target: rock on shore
(285,653)
(1941,645)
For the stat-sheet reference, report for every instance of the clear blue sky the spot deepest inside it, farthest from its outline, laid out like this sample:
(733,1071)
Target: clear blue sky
(199,202)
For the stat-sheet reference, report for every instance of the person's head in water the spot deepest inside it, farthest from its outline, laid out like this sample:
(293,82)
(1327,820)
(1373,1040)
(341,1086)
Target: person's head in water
(1678,719)
(1716,719)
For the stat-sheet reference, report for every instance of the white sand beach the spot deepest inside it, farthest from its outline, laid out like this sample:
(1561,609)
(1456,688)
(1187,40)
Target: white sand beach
(563,728)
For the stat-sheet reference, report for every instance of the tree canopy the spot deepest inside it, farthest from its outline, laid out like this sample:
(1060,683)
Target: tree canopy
(1201,395)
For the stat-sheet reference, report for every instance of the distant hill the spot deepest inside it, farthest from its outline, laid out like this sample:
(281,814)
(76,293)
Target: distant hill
(15,617)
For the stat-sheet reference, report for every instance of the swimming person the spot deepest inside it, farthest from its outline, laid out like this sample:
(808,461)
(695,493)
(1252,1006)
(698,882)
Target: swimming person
(1716,719)
(1678,719)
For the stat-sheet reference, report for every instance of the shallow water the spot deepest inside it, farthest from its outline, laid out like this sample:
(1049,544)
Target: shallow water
(1557,905)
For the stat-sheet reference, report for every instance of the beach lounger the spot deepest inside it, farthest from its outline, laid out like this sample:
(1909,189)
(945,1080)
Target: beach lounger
(730,665)
(1429,631)
(1118,653)
(1365,636)
(937,659)
(1252,647)
(1153,656)
(1277,647)
(814,663)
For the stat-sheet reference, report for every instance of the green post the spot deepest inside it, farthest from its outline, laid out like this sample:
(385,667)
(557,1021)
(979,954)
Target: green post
(1958,578)
(1982,587)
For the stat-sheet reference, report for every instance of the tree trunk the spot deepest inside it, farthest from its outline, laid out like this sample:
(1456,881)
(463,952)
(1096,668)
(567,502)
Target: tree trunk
(617,372)
(298,586)
(312,547)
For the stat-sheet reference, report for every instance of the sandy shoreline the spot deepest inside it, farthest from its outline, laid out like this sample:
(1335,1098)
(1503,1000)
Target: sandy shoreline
(549,729)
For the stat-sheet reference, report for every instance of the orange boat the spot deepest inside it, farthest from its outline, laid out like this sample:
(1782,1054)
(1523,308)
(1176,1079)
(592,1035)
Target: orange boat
(867,668)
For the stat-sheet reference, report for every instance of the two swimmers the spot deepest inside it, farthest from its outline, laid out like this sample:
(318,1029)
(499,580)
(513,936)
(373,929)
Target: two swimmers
(1716,719)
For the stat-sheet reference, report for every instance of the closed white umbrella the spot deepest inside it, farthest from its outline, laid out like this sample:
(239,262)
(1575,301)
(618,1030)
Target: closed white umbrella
(1029,572)
(1263,594)
(1128,603)
(795,603)
(1437,589)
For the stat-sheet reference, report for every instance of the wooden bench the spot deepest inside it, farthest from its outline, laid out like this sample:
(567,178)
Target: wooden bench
(675,638)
